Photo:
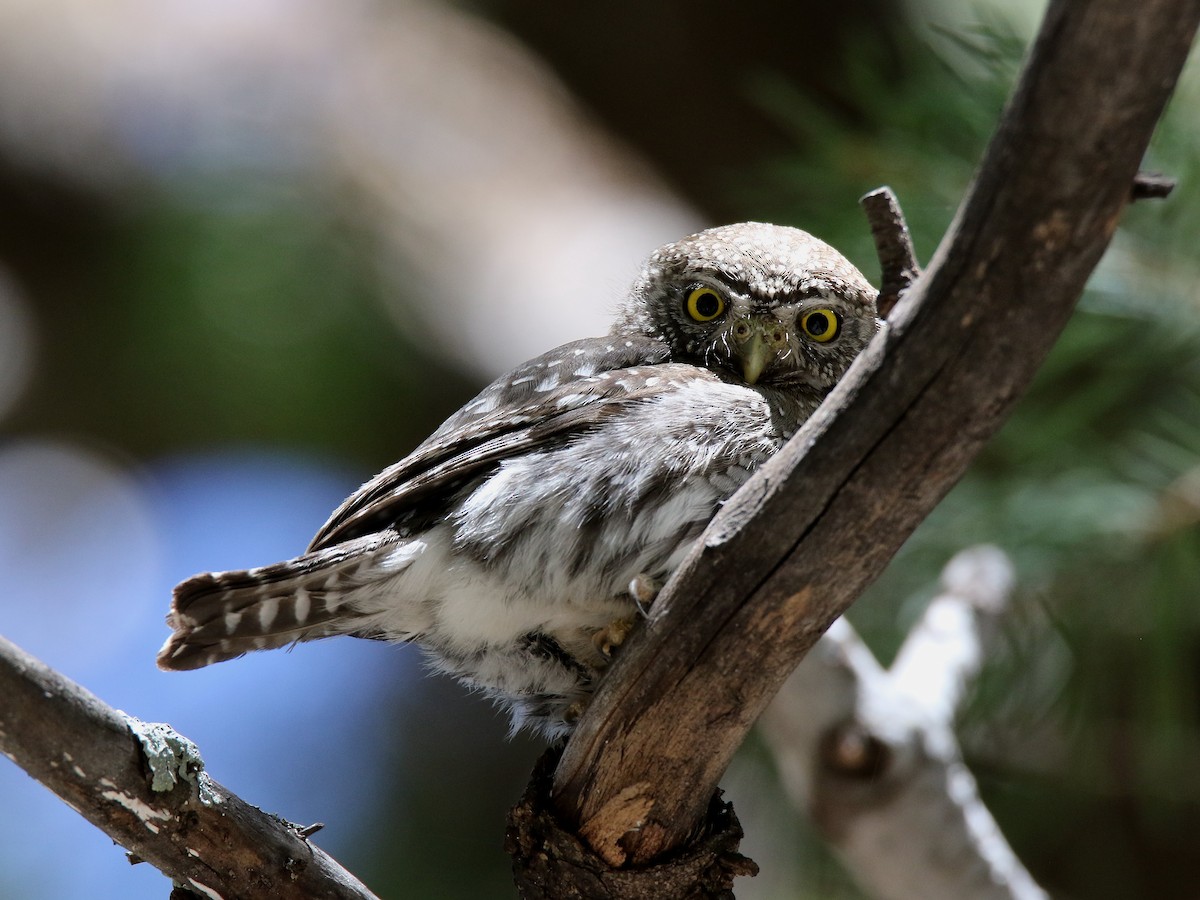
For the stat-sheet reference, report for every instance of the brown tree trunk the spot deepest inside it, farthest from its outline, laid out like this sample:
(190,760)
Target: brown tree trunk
(810,531)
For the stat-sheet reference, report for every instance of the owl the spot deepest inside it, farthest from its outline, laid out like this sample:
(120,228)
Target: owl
(518,544)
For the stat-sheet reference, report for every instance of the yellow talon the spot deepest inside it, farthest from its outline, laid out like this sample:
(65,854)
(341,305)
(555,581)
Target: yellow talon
(575,711)
(610,637)
(643,589)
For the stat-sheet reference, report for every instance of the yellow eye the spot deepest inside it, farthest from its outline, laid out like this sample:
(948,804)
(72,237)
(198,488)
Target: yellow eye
(822,325)
(704,304)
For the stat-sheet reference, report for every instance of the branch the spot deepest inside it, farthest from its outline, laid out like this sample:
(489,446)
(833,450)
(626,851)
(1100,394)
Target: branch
(871,754)
(893,246)
(796,546)
(145,786)
(1150,186)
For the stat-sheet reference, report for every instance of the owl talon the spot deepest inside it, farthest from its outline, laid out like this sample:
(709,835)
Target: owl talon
(575,711)
(643,589)
(612,636)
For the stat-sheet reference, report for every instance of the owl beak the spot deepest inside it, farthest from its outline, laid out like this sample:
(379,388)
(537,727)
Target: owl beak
(756,354)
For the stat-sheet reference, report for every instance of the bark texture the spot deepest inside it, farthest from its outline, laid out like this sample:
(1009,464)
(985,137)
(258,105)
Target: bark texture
(145,786)
(870,754)
(790,552)
(551,863)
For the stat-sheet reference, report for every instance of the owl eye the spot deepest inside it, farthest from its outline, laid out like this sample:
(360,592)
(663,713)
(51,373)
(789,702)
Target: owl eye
(704,304)
(822,325)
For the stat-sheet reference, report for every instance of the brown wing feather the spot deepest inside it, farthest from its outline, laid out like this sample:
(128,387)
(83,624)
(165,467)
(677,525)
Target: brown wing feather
(507,418)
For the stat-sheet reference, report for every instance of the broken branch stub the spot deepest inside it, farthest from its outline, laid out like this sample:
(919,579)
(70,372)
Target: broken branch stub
(791,551)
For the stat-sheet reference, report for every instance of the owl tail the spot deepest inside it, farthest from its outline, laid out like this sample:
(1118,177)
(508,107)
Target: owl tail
(217,616)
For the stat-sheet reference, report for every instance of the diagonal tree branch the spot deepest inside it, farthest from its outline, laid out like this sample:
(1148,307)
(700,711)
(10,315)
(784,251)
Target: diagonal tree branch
(144,785)
(893,245)
(870,753)
(792,551)
(784,558)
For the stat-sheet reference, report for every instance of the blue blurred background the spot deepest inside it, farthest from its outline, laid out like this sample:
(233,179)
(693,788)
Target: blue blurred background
(251,253)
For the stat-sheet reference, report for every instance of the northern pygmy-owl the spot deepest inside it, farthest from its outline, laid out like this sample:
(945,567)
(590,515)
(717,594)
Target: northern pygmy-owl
(514,543)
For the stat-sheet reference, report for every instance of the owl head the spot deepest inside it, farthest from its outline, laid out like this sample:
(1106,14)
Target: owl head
(765,304)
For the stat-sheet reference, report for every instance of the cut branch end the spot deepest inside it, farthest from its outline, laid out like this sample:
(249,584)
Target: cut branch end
(1150,186)
(897,258)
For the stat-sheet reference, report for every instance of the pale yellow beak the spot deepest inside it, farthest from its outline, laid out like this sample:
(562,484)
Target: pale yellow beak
(758,342)
(755,355)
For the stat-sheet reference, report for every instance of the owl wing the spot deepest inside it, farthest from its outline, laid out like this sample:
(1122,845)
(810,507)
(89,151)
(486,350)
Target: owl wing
(545,400)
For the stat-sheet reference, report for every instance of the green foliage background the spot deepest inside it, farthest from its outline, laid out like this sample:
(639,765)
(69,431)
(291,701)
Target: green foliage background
(1088,710)
(239,308)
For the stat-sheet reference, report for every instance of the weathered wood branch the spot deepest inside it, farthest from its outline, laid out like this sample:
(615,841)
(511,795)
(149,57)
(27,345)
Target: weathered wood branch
(870,753)
(145,787)
(893,245)
(1151,186)
(794,549)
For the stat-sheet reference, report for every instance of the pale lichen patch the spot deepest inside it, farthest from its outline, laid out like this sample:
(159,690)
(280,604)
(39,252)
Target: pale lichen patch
(172,758)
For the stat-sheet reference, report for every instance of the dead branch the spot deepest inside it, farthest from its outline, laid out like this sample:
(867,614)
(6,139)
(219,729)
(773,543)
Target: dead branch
(145,786)
(1151,186)
(893,245)
(793,550)
(870,753)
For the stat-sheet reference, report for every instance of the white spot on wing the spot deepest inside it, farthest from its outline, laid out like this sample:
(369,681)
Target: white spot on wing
(483,404)
(267,611)
(303,606)
(573,400)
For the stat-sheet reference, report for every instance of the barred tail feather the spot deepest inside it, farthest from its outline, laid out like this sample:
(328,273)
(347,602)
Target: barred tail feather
(217,616)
